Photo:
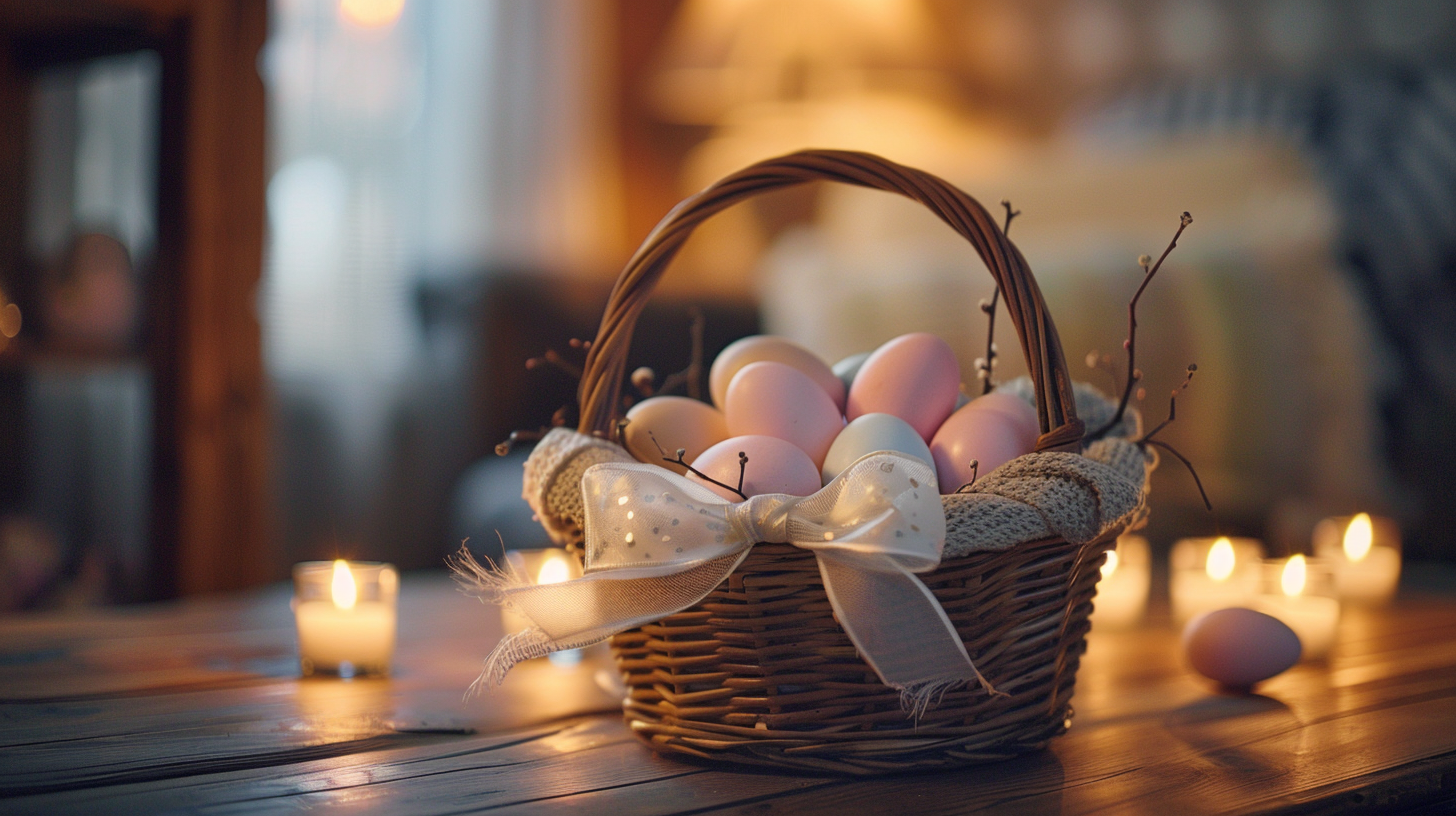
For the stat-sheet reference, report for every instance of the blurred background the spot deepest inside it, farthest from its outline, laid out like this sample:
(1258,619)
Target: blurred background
(269,271)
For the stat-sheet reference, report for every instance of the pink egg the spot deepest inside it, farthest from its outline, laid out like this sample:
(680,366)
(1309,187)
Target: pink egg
(674,422)
(767,348)
(1016,409)
(914,377)
(1239,647)
(993,430)
(774,466)
(773,399)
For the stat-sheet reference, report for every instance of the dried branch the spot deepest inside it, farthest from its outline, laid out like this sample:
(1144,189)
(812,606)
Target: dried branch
(986,365)
(1147,438)
(1133,375)
(504,448)
(682,460)
(975,474)
(1207,505)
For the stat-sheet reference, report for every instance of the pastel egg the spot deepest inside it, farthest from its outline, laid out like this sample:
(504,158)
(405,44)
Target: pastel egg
(1239,647)
(774,466)
(868,434)
(992,429)
(915,377)
(675,422)
(767,348)
(773,399)
(847,368)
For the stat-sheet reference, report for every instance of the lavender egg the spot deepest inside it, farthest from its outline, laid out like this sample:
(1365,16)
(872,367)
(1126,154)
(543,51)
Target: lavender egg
(992,429)
(1239,647)
(774,466)
(914,377)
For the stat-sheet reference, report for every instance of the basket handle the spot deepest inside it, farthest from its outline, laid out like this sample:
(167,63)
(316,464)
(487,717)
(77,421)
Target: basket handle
(599,393)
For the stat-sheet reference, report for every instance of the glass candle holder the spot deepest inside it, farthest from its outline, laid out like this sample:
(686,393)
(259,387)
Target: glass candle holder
(544,566)
(1365,553)
(1213,573)
(1301,592)
(1122,592)
(345,613)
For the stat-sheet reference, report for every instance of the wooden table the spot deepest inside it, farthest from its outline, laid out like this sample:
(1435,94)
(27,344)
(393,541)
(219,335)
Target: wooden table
(198,707)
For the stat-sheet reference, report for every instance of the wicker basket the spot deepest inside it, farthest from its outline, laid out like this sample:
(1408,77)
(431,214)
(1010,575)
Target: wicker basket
(760,672)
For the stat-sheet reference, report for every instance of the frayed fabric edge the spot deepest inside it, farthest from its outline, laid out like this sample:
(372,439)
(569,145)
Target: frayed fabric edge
(918,698)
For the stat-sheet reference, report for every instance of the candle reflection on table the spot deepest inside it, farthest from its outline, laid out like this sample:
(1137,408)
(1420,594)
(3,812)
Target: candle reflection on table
(1122,592)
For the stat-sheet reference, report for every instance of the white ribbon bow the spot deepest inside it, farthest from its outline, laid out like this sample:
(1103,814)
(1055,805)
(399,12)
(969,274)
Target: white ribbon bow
(658,543)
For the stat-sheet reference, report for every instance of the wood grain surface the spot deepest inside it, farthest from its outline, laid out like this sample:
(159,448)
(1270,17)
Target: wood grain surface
(198,707)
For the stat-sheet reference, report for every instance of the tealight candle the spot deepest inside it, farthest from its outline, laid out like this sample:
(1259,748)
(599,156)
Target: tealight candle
(1365,552)
(345,612)
(1213,573)
(1300,592)
(1122,592)
(545,566)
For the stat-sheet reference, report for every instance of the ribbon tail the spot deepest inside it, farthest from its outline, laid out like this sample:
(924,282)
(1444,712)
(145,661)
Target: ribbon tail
(898,627)
(581,613)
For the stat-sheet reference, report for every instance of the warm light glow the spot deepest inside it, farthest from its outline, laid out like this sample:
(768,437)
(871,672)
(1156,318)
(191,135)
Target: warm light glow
(1110,565)
(345,592)
(1358,537)
(372,13)
(554,571)
(1220,560)
(1292,580)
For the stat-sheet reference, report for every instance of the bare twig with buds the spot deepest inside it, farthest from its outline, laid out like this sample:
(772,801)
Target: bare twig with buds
(975,474)
(1130,344)
(681,459)
(987,365)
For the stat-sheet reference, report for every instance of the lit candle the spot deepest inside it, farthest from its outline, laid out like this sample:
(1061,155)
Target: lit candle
(346,616)
(1213,573)
(1300,592)
(1122,592)
(1365,552)
(546,566)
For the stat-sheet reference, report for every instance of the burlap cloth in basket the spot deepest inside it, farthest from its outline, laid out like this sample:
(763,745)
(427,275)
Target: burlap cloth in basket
(1077,497)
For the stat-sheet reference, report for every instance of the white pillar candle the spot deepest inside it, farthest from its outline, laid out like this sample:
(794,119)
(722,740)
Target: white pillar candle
(1213,573)
(345,612)
(1122,591)
(1365,552)
(1300,592)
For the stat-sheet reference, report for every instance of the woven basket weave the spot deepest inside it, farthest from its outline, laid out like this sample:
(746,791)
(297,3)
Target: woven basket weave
(760,672)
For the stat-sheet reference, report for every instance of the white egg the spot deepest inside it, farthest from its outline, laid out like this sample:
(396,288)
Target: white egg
(871,433)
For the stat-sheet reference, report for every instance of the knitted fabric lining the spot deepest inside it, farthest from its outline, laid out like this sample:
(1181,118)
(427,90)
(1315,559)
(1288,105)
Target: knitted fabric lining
(1078,497)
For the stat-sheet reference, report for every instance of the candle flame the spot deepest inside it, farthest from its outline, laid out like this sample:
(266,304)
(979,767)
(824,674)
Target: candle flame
(1220,560)
(554,571)
(372,13)
(1292,579)
(345,592)
(1110,565)
(1358,537)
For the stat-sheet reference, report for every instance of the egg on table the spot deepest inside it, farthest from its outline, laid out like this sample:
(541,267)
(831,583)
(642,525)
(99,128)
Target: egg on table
(773,399)
(774,466)
(868,434)
(914,377)
(674,422)
(767,348)
(992,429)
(1239,647)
